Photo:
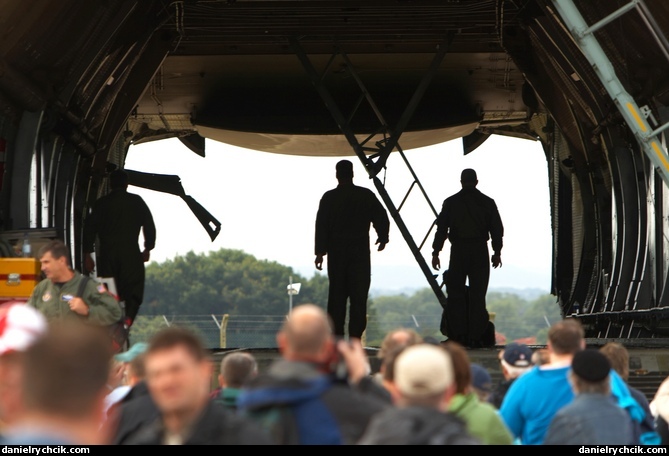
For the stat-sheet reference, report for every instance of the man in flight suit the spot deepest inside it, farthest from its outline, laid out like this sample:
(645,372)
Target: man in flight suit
(56,297)
(116,220)
(342,233)
(468,219)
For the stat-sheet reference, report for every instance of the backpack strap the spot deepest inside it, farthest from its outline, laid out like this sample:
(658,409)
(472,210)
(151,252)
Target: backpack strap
(82,285)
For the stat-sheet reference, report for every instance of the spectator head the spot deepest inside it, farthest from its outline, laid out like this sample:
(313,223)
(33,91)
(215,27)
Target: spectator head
(387,371)
(461,367)
(118,179)
(423,375)
(237,369)
(136,370)
(306,335)
(481,381)
(133,362)
(516,359)
(541,356)
(66,372)
(135,350)
(619,358)
(398,337)
(566,337)
(55,260)
(178,372)
(589,372)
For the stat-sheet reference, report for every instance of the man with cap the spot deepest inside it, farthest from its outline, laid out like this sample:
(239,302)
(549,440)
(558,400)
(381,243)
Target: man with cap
(64,383)
(594,417)
(468,219)
(481,381)
(343,221)
(125,359)
(424,381)
(515,359)
(535,397)
(137,408)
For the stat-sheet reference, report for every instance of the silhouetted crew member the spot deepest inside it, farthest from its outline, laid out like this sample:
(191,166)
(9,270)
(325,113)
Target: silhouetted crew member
(468,219)
(342,233)
(116,220)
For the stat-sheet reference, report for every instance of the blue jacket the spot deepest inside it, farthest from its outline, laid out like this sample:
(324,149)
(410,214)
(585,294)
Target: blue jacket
(535,397)
(298,404)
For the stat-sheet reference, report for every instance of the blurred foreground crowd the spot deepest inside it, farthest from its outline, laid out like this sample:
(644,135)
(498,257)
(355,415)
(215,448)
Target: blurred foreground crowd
(60,383)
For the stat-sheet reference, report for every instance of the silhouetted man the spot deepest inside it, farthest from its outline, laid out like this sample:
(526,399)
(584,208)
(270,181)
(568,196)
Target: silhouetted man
(116,220)
(342,233)
(468,219)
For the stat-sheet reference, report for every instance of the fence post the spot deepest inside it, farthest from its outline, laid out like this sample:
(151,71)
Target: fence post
(363,337)
(222,330)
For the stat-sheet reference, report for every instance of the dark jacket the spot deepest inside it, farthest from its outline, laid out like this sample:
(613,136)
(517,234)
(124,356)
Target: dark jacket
(645,431)
(135,410)
(591,419)
(469,216)
(117,219)
(417,426)
(344,217)
(216,426)
(227,397)
(497,395)
(298,404)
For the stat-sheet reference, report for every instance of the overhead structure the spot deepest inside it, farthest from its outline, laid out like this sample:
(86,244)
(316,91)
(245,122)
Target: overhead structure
(81,82)
(638,118)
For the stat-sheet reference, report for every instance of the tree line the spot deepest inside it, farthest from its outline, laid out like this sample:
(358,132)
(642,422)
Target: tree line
(235,283)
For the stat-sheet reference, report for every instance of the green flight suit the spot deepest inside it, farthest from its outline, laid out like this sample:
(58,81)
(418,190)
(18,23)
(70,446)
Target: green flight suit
(52,299)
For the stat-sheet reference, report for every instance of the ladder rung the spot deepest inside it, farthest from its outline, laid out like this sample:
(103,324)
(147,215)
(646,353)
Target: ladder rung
(427,235)
(610,18)
(659,130)
(399,208)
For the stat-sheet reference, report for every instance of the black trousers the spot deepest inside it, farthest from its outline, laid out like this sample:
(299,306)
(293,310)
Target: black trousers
(466,313)
(128,272)
(349,274)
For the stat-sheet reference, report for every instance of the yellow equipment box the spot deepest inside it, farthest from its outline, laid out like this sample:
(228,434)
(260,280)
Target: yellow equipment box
(18,278)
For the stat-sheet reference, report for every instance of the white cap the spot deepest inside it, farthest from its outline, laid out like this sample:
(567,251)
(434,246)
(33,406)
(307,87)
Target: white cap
(20,326)
(423,370)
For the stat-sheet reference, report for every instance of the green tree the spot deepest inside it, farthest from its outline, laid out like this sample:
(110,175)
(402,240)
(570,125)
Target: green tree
(144,327)
(222,282)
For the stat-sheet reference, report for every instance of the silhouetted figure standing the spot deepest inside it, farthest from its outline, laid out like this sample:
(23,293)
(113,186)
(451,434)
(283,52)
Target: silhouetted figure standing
(468,219)
(342,233)
(117,220)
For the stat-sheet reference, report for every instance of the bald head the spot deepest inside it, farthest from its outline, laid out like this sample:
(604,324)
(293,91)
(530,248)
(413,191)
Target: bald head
(398,337)
(307,334)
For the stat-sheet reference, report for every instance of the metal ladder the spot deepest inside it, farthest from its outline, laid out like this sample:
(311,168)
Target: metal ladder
(635,116)
(374,155)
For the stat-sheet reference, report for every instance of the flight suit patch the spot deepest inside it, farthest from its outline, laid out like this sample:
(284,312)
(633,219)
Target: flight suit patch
(46,296)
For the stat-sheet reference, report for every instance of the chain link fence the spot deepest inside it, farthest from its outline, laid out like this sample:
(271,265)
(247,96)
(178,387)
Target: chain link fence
(253,331)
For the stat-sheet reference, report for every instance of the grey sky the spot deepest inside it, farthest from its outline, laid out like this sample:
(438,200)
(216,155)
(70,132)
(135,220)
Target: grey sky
(267,204)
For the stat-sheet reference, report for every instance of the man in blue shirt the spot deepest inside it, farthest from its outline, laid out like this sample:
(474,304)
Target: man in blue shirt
(535,397)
